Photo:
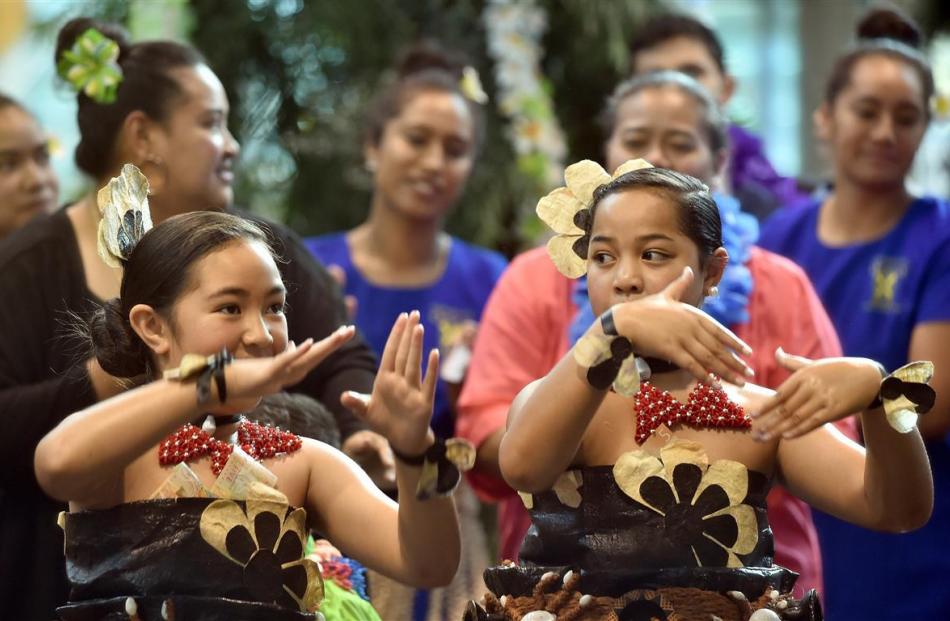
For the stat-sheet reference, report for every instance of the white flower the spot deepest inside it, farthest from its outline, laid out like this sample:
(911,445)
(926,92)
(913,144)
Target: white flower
(123,203)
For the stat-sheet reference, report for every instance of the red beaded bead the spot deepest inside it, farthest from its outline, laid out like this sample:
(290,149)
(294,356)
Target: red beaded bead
(706,407)
(191,444)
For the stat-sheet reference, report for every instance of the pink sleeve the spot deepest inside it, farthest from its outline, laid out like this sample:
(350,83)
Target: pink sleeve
(523,327)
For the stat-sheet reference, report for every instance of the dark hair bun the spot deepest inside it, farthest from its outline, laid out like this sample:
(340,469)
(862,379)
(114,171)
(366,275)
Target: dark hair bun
(74,29)
(427,56)
(889,23)
(119,351)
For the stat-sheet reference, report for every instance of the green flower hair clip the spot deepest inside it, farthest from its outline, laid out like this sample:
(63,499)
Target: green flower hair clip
(91,66)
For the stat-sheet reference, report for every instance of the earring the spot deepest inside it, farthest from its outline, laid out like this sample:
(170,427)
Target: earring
(713,292)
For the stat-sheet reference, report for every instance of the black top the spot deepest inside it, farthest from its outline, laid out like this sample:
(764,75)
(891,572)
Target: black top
(43,380)
(619,544)
(243,561)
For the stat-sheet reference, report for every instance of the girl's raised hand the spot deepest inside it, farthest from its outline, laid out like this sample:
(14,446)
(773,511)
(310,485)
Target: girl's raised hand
(250,378)
(662,326)
(401,404)
(818,392)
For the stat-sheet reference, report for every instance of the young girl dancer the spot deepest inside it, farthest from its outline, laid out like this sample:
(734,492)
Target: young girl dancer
(197,291)
(655,490)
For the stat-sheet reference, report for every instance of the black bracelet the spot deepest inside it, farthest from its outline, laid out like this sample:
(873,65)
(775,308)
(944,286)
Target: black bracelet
(607,323)
(410,460)
(215,371)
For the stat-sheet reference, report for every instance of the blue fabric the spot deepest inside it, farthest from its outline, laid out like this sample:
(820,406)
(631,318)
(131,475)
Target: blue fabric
(739,232)
(459,295)
(876,294)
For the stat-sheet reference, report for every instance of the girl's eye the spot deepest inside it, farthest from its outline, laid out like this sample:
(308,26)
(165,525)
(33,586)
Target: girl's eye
(416,139)
(230,309)
(682,147)
(277,309)
(601,258)
(654,255)
(634,145)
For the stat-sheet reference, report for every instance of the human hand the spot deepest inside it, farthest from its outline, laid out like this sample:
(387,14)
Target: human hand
(372,453)
(401,404)
(818,392)
(661,326)
(251,378)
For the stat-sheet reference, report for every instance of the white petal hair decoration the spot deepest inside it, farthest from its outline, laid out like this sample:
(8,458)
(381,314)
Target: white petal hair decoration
(123,204)
(566,211)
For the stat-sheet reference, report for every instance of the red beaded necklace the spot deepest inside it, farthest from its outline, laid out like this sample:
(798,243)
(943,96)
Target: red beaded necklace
(191,444)
(706,407)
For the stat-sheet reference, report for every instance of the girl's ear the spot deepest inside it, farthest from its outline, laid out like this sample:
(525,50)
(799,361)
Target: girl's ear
(152,328)
(715,266)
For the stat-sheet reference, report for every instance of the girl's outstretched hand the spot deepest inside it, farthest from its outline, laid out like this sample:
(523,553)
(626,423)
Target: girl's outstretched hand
(401,404)
(818,392)
(251,378)
(661,326)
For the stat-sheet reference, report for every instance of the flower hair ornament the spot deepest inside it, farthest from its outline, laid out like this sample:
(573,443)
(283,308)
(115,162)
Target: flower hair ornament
(123,204)
(608,357)
(471,86)
(91,66)
(567,211)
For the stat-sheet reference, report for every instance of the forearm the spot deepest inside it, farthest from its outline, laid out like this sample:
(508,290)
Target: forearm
(429,542)
(487,458)
(898,484)
(546,429)
(95,445)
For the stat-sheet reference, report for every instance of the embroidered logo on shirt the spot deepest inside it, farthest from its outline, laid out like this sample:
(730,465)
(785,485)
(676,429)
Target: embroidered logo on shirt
(886,274)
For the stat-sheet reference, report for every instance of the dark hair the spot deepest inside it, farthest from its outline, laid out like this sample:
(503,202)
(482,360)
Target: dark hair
(156,274)
(147,85)
(714,121)
(661,28)
(698,214)
(299,414)
(883,31)
(424,67)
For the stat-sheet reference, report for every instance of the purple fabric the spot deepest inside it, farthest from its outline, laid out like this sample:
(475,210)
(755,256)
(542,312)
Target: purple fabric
(749,165)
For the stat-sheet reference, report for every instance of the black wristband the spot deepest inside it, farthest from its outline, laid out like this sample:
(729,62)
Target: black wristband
(607,323)
(410,460)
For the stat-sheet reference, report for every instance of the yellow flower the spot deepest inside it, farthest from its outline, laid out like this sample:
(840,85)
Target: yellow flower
(268,542)
(702,503)
(567,211)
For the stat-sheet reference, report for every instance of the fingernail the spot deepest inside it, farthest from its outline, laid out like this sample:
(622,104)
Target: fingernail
(749,372)
(780,352)
(746,350)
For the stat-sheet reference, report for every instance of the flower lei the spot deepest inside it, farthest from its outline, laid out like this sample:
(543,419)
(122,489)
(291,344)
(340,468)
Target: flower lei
(567,211)
(514,30)
(123,203)
(739,233)
(91,66)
